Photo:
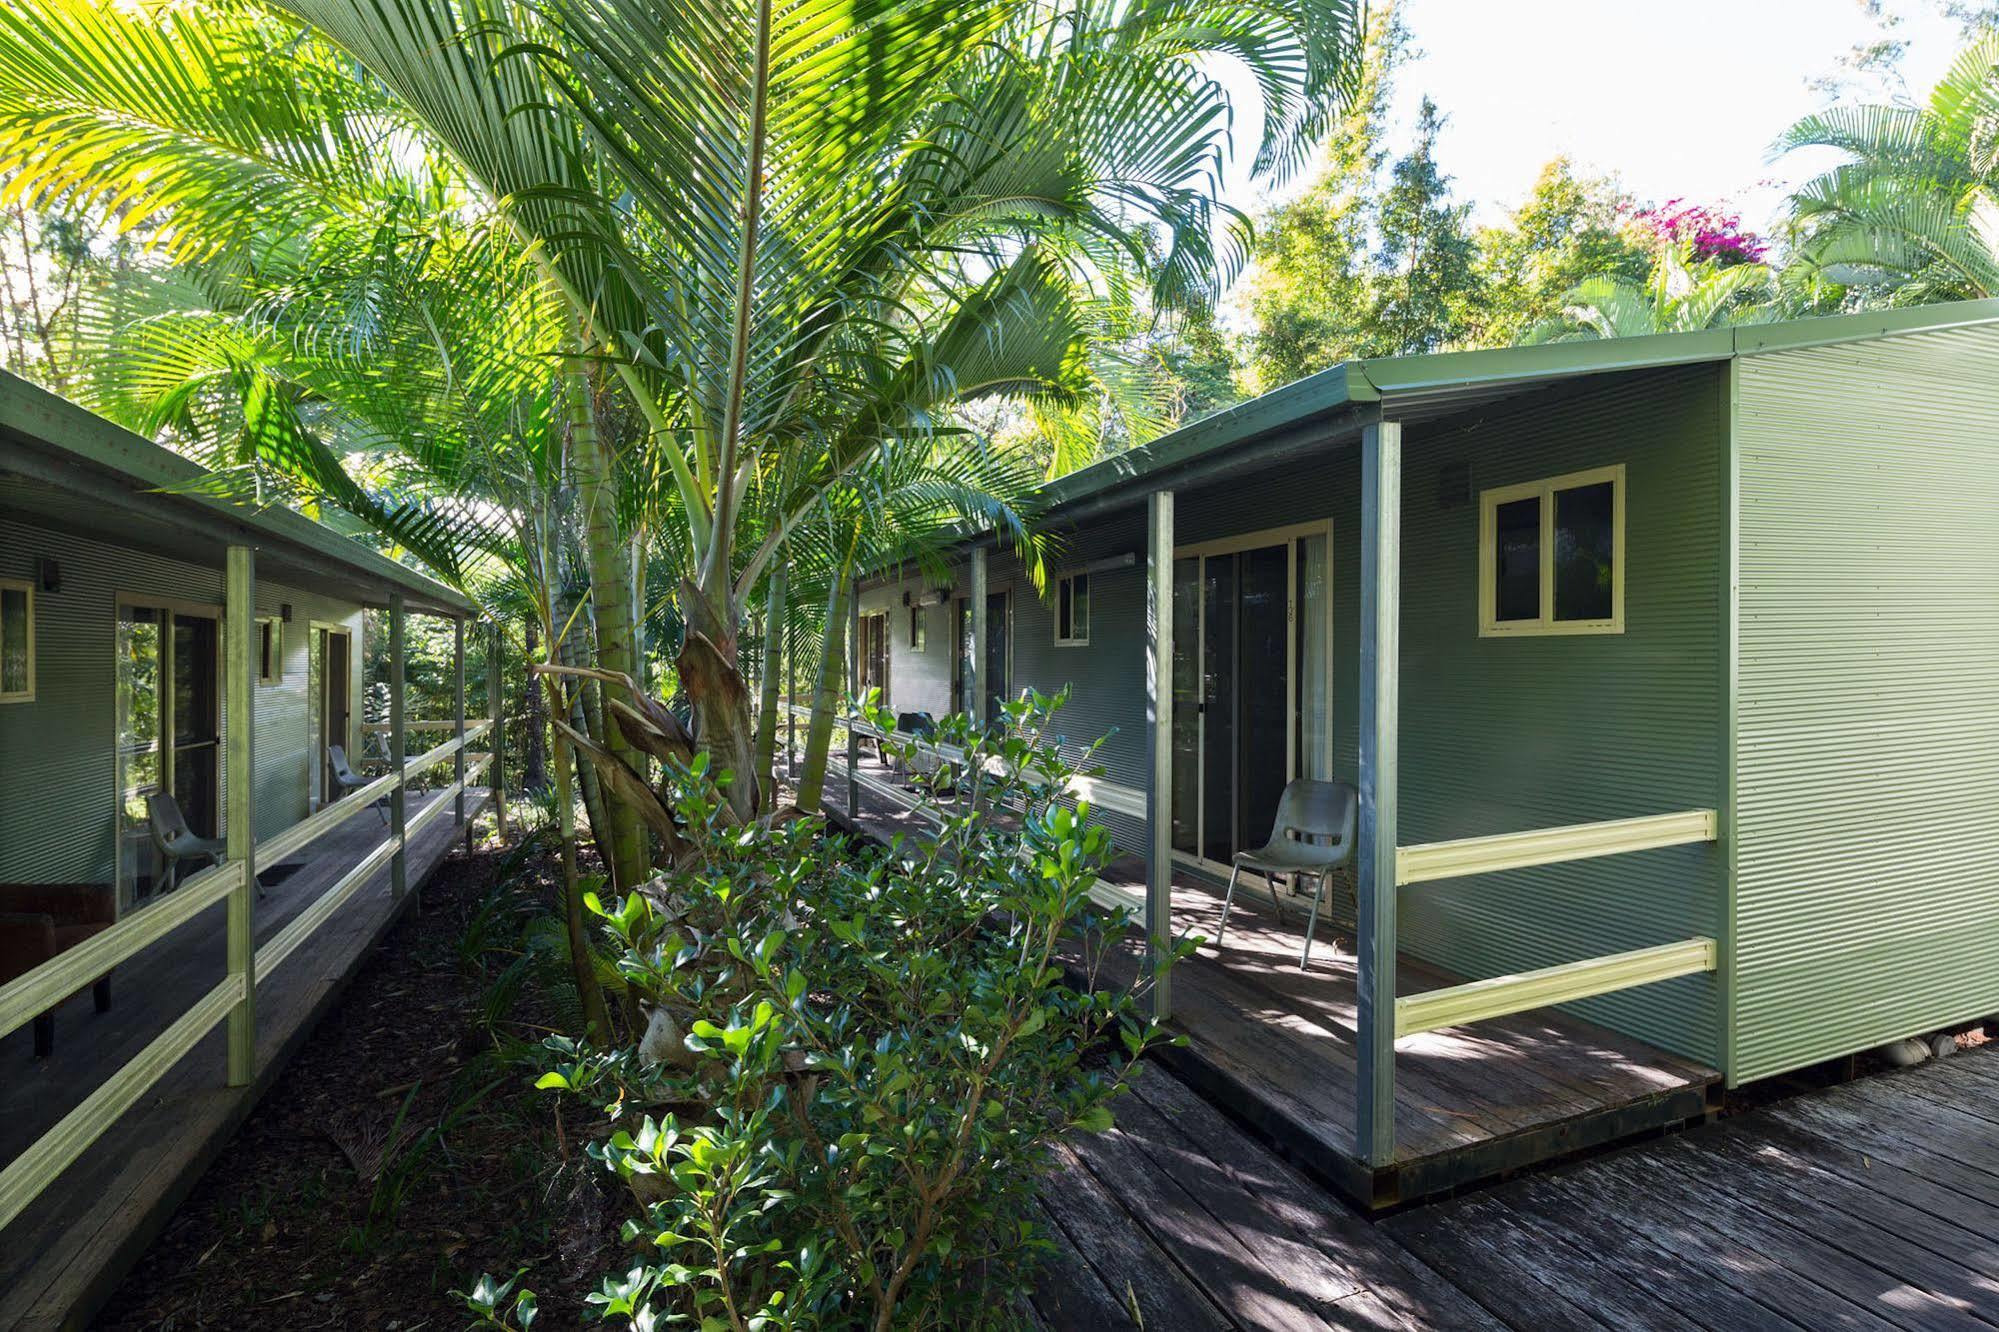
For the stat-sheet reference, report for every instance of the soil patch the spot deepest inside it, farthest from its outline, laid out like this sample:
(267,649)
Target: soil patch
(403,1152)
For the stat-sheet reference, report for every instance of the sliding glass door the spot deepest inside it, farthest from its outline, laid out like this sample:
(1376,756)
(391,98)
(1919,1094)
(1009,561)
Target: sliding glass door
(169,731)
(1251,684)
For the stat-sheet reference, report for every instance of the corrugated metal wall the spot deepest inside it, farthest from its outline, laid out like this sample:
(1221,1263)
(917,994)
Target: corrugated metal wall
(57,765)
(1868,726)
(1499,734)
(1507,734)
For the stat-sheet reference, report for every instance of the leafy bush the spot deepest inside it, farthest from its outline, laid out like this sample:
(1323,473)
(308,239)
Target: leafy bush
(859,1057)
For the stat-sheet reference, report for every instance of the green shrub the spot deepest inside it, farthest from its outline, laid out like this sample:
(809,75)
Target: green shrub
(860,1057)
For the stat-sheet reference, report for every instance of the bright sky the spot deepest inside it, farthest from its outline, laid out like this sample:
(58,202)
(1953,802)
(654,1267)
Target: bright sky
(1674,100)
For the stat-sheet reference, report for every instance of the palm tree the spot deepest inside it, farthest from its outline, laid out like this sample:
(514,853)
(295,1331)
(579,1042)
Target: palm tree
(1679,297)
(1912,213)
(792,236)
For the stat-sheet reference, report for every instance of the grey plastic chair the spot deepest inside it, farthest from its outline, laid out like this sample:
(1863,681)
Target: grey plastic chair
(1314,833)
(175,840)
(348,780)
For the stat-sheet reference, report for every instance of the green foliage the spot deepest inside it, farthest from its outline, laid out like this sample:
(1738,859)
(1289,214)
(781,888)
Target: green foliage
(1569,229)
(1374,259)
(1910,215)
(870,1051)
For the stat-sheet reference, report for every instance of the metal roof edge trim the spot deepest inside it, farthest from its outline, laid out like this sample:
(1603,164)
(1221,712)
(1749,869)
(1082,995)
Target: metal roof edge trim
(55,424)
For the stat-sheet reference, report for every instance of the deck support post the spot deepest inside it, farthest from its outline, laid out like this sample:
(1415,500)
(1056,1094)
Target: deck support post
(458,715)
(496,699)
(1380,654)
(853,700)
(1159,747)
(975,664)
(398,744)
(240,649)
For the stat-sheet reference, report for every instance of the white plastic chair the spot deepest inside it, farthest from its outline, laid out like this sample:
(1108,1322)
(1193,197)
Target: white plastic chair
(1314,833)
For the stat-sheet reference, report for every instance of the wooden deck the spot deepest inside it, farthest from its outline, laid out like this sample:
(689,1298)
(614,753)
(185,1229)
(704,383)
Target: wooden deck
(1277,1046)
(70,1247)
(1870,1206)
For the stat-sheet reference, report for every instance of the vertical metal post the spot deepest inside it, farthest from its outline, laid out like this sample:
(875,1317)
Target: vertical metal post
(975,667)
(240,646)
(1380,653)
(853,699)
(1159,745)
(496,700)
(458,715)
(398,744)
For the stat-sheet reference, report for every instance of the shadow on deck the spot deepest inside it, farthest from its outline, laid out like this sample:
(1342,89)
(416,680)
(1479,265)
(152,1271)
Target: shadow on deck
(1276,1046)
(68,1249)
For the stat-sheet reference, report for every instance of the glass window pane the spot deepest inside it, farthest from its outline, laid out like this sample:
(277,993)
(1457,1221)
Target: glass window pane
(1079,608)
(1064,589)
(1516,592)
(1584,546)
(13,640)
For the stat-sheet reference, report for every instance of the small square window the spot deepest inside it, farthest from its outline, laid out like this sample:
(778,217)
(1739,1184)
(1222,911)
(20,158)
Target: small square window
(919,637)
(1551,556)
(17,642)
(1072,610)
(270,650)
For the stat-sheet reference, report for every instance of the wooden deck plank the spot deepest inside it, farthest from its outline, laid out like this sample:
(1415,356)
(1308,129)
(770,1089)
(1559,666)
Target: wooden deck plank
(1389,1280)
(1231,1273)
(1862,1217)
(1632,1242)
(1534,1274)
(1157,1292)
(1872,1288)
(1684,1227)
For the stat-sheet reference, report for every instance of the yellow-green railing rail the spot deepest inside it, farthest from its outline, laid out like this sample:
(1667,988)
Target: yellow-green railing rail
(25,997)
(1499,996)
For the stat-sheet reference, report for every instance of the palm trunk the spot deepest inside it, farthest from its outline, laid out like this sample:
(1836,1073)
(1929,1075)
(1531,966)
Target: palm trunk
(774,609)
(534,776)
(609,562)
(819,733)
(596,1017)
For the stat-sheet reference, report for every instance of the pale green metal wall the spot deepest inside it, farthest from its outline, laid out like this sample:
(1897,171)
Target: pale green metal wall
(57,780)
(1868,708)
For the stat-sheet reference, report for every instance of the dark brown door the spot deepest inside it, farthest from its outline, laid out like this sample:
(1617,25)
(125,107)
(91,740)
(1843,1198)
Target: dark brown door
(335,705)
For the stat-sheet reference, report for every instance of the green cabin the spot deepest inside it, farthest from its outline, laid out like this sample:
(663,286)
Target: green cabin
(1667,673)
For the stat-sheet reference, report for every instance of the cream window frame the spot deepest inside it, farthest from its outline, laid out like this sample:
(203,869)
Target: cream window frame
(1068,582)
(1545,490)
(28,589)
(276,625)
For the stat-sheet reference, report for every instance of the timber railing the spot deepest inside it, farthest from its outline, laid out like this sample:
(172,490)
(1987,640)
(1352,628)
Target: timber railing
(1104,892)
(1499,996)
(26,997)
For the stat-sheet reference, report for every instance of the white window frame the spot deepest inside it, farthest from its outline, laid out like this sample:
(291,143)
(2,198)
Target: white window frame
(1067,583)
(276,625)
(23,695)
(1488,530)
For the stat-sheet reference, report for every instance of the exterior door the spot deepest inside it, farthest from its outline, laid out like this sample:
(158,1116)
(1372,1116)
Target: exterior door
(333,705)
(169,731)
(1251,684)
(994,671)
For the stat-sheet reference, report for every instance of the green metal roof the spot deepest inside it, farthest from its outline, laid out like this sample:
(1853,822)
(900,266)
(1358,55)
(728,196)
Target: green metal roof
(1384,383)
(83,453)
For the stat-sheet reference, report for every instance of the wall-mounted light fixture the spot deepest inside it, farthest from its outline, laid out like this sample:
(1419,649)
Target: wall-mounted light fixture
(48,575)
(285,611)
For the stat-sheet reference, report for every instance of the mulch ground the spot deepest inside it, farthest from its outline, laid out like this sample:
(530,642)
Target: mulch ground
(398,1157)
